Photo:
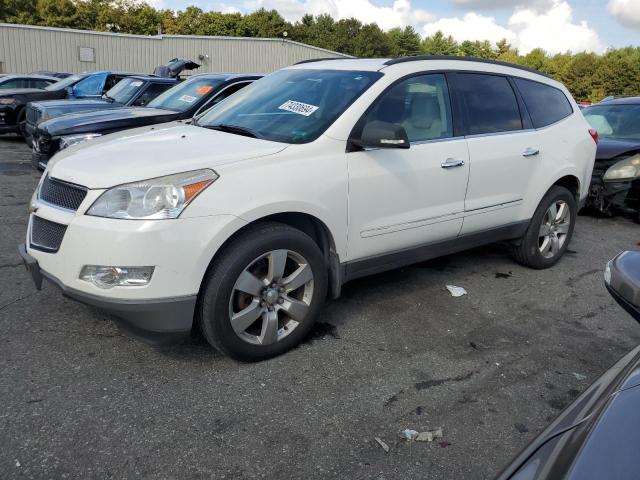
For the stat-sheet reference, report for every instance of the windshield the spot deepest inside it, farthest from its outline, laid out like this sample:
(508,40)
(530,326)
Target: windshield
(185,95)
(615,121)
(291,106)
(67,82)
(124,90)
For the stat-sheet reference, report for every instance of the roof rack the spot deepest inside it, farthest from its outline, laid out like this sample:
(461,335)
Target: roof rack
(417,58)
(312,60)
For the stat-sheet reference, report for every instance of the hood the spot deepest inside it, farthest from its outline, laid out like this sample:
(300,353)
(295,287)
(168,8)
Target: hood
(54,108)
(14,92)
(31,94)
(100,121)
(143,153)
(609,148)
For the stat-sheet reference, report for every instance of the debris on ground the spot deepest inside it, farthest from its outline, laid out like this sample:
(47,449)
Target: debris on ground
(444,444)
(579,376)
(415,436)
(504,275)
(380,442)
(456,291)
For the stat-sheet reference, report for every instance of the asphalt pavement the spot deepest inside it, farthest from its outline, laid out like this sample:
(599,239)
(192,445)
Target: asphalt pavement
(492,368)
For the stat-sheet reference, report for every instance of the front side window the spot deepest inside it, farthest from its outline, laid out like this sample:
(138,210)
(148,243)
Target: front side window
(185,95)
(90,86)
(420,105)
(615,121)
(150,93)
(291,106)
(124,90)
(546,104)
(490,103)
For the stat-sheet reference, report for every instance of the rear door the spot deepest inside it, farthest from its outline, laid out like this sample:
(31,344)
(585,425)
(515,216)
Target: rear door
(504,150)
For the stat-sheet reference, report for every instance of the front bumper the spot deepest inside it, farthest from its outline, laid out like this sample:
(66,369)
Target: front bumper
(151,321)
(39,160)
(180,251)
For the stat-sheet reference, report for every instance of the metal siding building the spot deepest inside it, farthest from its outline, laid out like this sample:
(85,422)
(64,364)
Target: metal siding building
(25,48)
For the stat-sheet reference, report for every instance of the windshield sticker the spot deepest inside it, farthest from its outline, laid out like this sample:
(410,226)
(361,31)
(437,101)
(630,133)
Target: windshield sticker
(298,107)
(204,90)
(136,84)
(187,98)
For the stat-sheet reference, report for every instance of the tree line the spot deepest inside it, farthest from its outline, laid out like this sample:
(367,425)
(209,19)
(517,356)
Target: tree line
(589,76)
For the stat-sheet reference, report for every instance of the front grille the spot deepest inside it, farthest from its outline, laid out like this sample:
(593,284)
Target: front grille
(62,194)
(45,235)
(32,114)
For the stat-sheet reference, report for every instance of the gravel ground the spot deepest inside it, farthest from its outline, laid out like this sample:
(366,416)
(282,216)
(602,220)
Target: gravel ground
(79,400)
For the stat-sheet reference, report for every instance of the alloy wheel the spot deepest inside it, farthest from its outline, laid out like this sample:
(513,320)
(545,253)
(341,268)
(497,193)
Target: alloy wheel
(271,297)
(554,229)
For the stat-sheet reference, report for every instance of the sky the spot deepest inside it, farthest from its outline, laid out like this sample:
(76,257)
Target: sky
(554,25)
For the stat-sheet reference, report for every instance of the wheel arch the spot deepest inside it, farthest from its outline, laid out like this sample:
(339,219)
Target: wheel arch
(307,223)
(571,183)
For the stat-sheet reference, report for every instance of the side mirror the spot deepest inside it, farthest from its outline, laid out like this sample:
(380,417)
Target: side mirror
(379,134)
(69,91)
(622,279)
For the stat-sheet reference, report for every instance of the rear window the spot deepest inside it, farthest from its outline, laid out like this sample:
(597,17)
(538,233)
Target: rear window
(490,103)
(545,104)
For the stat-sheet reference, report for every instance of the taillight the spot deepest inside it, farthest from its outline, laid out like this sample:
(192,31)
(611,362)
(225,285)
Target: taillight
(594,134)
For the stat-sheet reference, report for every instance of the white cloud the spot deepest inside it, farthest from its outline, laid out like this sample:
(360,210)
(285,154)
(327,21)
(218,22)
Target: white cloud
(553,30)
(399,14)
(470,27)
(546,24)
(627,12)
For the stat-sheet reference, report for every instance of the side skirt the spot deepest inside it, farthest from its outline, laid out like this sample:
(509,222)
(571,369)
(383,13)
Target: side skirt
(372,265)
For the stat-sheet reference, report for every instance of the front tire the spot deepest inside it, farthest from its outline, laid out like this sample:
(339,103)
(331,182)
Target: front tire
(22,127)
(549,231)
(262,294)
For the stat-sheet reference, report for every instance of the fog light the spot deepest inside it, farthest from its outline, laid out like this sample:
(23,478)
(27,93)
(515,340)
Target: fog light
(109,277)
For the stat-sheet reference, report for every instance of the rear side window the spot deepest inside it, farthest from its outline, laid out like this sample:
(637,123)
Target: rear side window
(545,104)
(490,103)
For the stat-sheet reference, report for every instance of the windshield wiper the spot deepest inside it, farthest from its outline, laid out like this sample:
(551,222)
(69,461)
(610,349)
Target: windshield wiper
(108,98)
(235,129)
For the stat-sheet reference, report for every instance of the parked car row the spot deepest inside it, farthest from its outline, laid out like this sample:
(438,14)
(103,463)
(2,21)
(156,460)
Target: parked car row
(23,89)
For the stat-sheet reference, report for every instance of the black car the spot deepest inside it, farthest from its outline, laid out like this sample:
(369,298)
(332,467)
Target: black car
(615,184)
(597,436)
(136,91)
(13,102)
(181,102)
(31,80)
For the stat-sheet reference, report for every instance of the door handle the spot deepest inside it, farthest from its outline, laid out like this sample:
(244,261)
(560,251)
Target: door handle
(530,152)
(452,163)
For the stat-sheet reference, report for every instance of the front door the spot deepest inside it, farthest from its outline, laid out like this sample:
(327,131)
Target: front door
(403,198)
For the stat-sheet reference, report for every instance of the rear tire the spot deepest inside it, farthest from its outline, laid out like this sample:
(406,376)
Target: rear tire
(262,294)
(549,231)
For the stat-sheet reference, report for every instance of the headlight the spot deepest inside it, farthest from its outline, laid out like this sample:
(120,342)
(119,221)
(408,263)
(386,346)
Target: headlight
(75,139)
(156,198)
(7,101)
(624,170)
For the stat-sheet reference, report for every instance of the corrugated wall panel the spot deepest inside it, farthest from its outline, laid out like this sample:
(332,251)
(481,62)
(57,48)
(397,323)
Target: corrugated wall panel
(25,49)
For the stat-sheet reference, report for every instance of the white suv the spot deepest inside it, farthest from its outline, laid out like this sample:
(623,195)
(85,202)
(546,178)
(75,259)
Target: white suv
(245,220)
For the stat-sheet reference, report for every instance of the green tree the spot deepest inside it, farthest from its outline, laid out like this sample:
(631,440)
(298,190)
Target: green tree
(345,32)
(404,42)
(263,23)
(438,44)
(371,42)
